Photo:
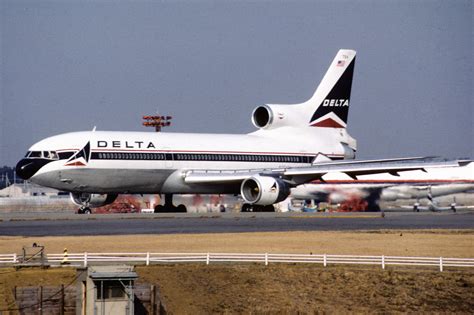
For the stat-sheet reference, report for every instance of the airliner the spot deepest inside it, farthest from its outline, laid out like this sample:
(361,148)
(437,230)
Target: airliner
(294,144)
(338,188)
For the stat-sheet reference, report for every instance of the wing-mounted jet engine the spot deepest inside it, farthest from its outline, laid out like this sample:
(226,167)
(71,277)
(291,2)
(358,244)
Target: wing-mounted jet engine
(86,201)
(261,192)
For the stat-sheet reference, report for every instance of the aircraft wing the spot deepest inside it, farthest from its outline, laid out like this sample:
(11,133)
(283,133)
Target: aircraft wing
(300,175)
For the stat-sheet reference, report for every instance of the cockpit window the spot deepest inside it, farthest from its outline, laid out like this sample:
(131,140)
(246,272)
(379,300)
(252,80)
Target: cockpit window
(52,155)
(34,154)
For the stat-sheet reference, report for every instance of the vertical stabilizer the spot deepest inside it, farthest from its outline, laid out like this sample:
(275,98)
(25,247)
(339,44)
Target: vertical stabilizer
(329,105)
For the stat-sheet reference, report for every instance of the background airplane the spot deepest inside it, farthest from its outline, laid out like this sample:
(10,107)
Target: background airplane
(337,188)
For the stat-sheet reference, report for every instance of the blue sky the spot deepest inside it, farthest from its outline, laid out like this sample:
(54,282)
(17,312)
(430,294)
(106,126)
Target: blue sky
(72,65)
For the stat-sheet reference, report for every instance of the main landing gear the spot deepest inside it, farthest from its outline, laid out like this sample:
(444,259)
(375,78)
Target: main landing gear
(416,207)
(169,207)
(84,210)
(246,207)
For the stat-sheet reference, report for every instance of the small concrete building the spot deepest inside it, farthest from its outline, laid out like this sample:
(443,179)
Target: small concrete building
(105,290)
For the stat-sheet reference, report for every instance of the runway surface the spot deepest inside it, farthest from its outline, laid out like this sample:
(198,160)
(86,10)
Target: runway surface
(72,224)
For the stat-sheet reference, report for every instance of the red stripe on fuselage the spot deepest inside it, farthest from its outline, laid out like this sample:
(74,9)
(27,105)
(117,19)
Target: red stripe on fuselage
(211,152)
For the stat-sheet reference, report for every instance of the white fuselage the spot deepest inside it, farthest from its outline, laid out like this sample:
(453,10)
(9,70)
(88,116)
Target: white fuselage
(146,162)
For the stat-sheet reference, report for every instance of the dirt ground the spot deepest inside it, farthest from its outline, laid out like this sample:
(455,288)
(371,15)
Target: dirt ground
(282,288)
(446,243)
(305,289)
(9,278)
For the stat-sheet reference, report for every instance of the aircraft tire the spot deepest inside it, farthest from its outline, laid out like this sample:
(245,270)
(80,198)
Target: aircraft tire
(269,208)
(257,208)
(246,208)
(159,209)
(181,208)
(87,211)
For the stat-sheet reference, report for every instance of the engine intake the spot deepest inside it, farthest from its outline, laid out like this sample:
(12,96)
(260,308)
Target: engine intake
(92,200)
(271,116)
(264,190)
(262,116)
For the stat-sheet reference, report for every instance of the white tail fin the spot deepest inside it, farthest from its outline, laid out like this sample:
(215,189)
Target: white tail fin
(329,106)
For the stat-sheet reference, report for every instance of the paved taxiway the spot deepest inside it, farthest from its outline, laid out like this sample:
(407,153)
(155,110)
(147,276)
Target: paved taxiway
(113,224)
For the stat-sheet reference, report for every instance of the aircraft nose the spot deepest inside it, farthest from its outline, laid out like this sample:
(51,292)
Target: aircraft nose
(26,168)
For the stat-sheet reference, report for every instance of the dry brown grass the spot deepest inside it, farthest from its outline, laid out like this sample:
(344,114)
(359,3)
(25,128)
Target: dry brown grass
(282,288)
(405,243)
(308,289)
(9,278)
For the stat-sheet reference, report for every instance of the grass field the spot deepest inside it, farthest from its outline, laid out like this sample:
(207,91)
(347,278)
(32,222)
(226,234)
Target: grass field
(308,289)
(445,243)
(282,288)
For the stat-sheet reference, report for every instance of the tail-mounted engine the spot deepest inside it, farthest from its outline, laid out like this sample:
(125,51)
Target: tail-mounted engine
(264,190)
(92,200)
(274,116)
